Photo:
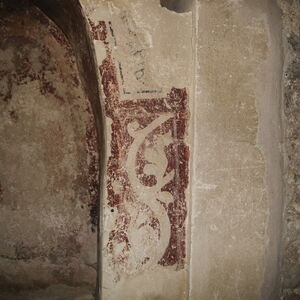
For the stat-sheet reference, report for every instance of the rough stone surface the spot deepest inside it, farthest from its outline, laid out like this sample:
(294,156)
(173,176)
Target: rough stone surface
(291,111)
(48,160)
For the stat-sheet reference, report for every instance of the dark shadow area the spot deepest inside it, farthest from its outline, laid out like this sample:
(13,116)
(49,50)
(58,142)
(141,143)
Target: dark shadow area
(179,6)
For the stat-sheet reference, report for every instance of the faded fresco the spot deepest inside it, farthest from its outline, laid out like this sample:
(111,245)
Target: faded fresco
(147,169)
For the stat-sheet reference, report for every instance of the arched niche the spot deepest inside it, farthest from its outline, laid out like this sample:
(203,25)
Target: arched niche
(50,132)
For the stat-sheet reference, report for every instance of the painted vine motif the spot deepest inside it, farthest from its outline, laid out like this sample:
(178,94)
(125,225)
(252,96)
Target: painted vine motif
(147,172)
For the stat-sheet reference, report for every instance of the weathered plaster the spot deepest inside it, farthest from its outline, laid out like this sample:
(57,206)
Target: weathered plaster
(146,106)
(232,196)
(190,144)
(48,159)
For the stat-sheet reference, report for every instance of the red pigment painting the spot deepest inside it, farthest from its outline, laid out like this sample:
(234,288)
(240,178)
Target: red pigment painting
(147,172)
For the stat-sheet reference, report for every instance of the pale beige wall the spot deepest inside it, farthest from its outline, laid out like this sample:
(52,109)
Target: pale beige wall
(236,168)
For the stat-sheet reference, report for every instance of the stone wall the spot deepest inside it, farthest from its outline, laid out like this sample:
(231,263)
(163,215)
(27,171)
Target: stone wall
(291,108)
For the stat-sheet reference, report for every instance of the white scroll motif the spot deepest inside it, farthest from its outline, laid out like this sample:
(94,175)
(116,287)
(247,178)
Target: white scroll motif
(145,244)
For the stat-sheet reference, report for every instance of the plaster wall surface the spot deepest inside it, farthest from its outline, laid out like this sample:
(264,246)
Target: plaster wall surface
(236,175)
(48,162)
